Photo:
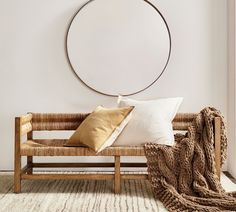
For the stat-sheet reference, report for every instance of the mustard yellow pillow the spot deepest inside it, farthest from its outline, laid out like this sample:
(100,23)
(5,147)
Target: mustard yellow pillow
(101,128)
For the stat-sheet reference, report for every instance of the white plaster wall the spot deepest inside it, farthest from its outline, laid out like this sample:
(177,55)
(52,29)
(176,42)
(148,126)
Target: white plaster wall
(231,88)
(35,75)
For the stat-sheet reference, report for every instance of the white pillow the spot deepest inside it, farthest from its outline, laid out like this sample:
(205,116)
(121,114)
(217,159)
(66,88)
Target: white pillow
(151,121)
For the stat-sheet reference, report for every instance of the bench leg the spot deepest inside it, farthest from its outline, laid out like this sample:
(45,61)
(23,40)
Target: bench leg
(117,175)
(17,162)
(30,164)
(17,175)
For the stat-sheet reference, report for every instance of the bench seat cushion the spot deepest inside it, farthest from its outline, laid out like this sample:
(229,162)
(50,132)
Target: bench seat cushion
(54,147)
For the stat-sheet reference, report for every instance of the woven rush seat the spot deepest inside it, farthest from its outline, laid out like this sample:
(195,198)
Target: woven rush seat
(54,147)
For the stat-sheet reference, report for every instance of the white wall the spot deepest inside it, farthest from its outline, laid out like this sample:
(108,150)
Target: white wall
(231,87)
(35,75)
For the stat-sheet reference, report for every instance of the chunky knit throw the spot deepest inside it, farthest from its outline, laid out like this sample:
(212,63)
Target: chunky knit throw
(183,176)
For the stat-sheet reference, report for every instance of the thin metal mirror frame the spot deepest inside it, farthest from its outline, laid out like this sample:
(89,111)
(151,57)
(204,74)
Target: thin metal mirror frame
(167,61)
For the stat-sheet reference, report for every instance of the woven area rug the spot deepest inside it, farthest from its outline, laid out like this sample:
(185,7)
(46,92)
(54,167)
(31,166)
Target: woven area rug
(81,195)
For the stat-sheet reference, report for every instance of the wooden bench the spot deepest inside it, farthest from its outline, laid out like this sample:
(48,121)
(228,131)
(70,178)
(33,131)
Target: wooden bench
(27,124)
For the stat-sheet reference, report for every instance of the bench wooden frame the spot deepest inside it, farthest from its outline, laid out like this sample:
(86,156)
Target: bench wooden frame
(27,124)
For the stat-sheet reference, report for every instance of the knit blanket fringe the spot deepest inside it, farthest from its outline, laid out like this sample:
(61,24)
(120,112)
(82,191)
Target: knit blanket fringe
(183,176)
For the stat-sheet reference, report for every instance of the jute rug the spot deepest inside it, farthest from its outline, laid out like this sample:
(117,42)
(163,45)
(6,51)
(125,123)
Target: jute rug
(81,196)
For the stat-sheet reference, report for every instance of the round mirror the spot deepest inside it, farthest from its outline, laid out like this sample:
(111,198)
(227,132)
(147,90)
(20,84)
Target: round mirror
(118,46)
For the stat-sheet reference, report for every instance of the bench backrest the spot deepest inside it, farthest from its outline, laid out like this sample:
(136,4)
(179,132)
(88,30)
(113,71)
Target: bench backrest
(70,121)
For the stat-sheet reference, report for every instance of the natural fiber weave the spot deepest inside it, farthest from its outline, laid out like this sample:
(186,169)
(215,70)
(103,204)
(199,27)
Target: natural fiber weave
(70,121)
(184,177)
(57,121)
(54,147)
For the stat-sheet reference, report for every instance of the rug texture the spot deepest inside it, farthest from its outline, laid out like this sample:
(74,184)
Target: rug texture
(183,176)
(82,196)
(77,196)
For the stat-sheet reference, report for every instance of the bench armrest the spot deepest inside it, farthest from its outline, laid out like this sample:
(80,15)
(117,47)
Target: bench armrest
(23,126)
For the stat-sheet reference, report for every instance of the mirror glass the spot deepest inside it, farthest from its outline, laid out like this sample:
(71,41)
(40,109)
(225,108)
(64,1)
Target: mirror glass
(118,46)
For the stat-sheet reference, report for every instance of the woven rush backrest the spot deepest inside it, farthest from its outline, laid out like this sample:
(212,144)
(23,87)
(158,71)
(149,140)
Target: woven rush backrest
(57,121)
(183,120)
(70,121)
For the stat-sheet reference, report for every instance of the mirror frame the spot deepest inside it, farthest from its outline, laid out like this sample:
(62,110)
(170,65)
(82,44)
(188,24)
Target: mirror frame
(97,91)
